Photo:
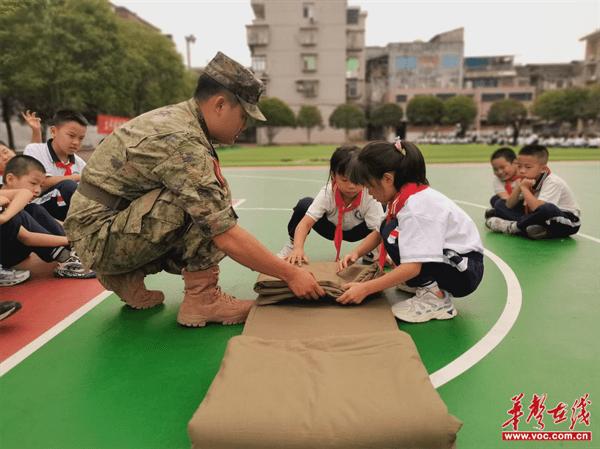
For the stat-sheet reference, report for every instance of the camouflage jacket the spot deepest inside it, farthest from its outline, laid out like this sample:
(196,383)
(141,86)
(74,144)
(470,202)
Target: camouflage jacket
(164,148)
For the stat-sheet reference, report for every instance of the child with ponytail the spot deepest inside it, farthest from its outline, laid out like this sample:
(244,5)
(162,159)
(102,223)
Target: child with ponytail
(434,244)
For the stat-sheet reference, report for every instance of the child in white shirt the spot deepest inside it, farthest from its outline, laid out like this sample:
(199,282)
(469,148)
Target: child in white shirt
(342,210)
(435,245)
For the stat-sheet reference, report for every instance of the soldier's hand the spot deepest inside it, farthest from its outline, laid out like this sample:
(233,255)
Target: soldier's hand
(304,285)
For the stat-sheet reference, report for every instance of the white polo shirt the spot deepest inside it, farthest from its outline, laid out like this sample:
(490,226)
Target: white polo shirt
(430,222)
(44,153)
(556,191)
(370,211)
(500,186)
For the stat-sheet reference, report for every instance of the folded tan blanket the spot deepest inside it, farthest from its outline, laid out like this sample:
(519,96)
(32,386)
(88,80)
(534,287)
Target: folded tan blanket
(349,392)
(319,375)
(272,290)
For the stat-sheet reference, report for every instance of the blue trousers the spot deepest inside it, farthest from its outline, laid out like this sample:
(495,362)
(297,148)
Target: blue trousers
(459,274)
(558,223)
(67,189)
(323,226)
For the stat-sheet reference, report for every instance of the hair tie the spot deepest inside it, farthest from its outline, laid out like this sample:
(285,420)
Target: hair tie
(398,145)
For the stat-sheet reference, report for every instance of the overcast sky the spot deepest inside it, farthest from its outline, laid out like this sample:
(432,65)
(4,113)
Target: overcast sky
(535,31)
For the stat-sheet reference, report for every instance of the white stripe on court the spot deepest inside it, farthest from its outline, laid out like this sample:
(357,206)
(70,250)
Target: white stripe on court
(238,202)
(36,344)
(495,335)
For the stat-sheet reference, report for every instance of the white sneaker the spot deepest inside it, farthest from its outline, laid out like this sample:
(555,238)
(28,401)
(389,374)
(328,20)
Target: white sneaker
(286,250)
(500,225)
(72,268)
(405,288)
(12,277)
(425,306)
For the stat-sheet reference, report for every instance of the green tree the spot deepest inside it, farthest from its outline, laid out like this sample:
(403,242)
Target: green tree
(460,110)
(387,116)
(508,112)
(347,116)
(425,110)
(78,54)
(309,117)
(153,73)
(278,115)
(572,105)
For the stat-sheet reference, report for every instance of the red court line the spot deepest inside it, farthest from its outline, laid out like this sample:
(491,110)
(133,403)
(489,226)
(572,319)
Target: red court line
(46,301)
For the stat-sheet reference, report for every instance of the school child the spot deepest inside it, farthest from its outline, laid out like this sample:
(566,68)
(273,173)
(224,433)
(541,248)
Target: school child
(6,154)
(59,158)
(342,210)
(433,242)
(504,165)
(11,202)
(33,229)
(542,205)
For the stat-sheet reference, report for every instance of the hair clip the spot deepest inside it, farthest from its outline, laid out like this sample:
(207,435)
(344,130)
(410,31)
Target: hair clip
(398,145)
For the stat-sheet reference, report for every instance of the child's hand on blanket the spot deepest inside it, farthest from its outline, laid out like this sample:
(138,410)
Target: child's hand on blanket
(354,294)
(297,257)
(348,260)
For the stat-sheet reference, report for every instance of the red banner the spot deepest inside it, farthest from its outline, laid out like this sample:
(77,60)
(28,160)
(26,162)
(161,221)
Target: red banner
(108,123)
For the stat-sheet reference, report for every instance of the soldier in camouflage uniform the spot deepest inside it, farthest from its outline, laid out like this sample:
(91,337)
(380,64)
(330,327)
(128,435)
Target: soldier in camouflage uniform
(152,197)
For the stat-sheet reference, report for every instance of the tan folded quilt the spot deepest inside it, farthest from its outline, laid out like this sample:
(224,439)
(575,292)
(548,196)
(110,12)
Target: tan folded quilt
(272,290)
(366,391)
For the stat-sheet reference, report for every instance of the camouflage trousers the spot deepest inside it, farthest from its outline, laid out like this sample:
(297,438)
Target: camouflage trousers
(152,234)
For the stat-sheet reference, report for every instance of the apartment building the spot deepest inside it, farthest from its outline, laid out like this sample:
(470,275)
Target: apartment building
(591,71)
(309,53)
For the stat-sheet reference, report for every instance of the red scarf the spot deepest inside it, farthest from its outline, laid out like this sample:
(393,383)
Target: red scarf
(66,165)
(508,184)
(342,209)
(394,207)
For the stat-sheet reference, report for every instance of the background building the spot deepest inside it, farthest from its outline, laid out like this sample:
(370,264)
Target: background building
(309,53)
(591,71)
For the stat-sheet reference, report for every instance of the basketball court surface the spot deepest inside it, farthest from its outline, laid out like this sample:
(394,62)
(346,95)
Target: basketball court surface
(81,370)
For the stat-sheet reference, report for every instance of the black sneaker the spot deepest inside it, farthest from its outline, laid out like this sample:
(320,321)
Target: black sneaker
(491,212)
(536,232)
(7,308)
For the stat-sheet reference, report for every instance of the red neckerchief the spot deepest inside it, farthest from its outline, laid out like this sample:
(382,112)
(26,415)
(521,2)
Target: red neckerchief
(537,187)
(218,172)
(394,207)
(342,209)
(66,165)
(508,184)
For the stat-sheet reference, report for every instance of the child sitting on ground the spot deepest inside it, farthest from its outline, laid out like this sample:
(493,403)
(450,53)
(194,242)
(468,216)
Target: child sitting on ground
(342,210)
(6,154)
(504,165)
(63,166)
(31,228)
(435,245)
(541,206)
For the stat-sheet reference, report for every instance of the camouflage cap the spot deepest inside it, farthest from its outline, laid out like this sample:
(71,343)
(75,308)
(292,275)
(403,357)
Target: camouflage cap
(238,80)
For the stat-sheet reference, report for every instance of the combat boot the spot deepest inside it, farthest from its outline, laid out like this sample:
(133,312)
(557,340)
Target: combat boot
(131,289)
(204,301)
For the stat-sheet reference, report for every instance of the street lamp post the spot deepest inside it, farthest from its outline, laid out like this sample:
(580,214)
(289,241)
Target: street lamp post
(189,40)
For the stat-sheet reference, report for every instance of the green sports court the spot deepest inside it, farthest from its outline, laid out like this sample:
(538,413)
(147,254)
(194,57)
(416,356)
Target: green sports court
(101,375)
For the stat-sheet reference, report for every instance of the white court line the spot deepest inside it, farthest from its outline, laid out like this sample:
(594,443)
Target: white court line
(579,234)
(36,344)
(495,335)
(236,203)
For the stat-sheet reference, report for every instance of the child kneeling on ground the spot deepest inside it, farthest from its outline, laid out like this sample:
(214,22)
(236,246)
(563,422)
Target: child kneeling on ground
(435,245)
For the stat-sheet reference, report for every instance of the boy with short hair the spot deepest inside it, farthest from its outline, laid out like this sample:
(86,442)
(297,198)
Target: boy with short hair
(59,158)
(542,205)
(34,229)
(504,165)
